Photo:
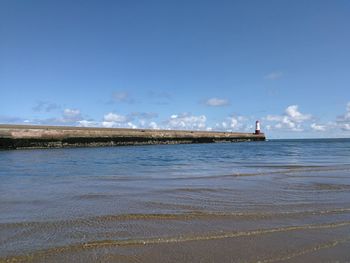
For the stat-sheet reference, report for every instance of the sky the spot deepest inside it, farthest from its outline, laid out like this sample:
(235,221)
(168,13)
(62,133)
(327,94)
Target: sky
(184,64)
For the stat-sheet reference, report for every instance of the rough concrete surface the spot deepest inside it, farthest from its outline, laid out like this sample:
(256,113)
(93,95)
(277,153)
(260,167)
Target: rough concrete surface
(31,136)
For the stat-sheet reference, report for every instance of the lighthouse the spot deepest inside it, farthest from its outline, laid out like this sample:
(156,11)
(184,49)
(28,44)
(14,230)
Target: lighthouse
(257,127)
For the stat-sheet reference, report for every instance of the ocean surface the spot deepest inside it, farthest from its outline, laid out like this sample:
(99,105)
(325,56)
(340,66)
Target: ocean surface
(273,201)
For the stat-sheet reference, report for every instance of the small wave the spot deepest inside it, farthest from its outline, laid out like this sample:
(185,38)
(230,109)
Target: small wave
(311,249)
(103,243)
(280,169)
(289,172)
(177,216)
(167,240)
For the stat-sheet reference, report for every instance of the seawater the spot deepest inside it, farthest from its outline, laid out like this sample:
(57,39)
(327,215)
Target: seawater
(285,199)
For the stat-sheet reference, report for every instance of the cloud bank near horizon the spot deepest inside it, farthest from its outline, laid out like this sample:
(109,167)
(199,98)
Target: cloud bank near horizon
(291,120)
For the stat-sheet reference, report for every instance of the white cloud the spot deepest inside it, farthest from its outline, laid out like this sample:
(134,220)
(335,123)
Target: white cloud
(295,115)
(186,121)
(71,113)
(233,123)
(343,121)
(87,123)
(273,75)
(153,125)
(109,124)
(292,119)
(70,116)
(113,117)
(216,102)
(113,120)
(318,127)
(131,125)
(345,127)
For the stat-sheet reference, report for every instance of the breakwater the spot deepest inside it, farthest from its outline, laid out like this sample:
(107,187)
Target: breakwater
(32,136)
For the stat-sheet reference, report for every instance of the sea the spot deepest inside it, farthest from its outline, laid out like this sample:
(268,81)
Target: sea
(272,201)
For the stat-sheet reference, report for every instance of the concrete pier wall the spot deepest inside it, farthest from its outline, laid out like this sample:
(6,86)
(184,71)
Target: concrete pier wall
(30,136)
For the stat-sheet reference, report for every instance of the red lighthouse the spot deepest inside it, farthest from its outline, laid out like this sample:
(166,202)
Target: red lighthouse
(257,127)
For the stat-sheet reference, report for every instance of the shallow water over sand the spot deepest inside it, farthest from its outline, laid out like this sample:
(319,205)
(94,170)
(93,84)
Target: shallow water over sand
(260,201)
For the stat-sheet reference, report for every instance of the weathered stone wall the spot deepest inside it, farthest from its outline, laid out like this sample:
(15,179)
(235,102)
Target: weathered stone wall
(25,136)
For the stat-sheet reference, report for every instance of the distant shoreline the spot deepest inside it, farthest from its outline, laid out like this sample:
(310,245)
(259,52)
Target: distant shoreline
(32,136)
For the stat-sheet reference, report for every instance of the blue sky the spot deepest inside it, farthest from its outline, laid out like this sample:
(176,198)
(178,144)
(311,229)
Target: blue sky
(212,65)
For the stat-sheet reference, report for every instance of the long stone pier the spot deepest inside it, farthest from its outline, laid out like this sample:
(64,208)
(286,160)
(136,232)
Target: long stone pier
(32,136)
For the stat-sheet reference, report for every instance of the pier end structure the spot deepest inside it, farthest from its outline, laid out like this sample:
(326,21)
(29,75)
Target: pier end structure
(33,136)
